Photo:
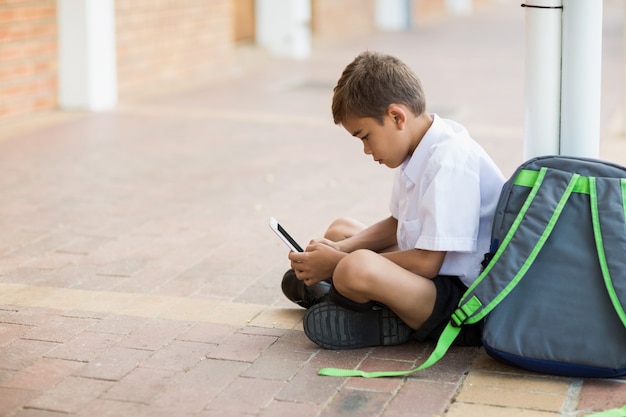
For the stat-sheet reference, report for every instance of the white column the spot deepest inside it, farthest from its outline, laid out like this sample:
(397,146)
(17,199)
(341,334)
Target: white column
(284,27)
(543,78)
(87,58)
(581,82)
(392,15)
(459,7)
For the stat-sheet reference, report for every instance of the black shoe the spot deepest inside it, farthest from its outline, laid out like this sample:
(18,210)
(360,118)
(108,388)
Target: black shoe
(334,327)
(302,294)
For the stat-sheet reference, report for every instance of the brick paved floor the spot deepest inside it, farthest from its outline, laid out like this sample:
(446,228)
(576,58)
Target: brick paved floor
(138,276)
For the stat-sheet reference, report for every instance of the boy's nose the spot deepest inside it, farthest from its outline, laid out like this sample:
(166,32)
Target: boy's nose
(366,149)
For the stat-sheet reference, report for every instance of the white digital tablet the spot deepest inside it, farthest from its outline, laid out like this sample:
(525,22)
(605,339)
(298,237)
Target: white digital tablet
(284,236)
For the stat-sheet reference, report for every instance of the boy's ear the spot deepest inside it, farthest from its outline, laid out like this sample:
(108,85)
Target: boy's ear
(397,114)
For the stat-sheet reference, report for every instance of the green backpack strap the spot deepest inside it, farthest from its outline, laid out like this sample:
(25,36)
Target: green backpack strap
(471,309)
(610,225)
(529,231)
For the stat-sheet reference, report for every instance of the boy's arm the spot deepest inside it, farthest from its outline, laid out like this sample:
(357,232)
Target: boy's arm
(321,257)
(377,237)
(425,263)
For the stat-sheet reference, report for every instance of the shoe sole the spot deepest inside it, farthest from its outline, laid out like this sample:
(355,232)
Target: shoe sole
(334,327)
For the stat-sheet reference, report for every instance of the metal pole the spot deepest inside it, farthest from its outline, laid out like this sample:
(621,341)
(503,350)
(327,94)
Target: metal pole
(543,78)
(581,78)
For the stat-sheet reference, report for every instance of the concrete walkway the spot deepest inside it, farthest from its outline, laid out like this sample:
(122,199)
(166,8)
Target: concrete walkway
(138,276)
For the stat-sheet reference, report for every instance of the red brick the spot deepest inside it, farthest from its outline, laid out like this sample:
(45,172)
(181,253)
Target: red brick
(246,395)
(600,394)
(191,391)
(140,385)
(59,329)
(154,334)
(349,402)
(290,409)
(277,365)
(107,408)
(379,384)
(451,367)
(178,355)
(9,332)
(242,347)
(22,353)
(43,374)
(421,399)
(84,347)
(208,333)
(114,363)
(12,399)
(122,325)
(71,395)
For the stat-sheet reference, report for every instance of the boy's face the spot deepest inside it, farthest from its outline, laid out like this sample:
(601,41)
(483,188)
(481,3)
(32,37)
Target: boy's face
(388,143)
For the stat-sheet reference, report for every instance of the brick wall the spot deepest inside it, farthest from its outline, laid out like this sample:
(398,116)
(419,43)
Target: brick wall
(28,56)
(169,41)
(332,19)
(426,10)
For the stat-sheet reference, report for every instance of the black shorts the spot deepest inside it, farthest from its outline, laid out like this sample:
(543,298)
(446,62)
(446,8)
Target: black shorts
(450,289)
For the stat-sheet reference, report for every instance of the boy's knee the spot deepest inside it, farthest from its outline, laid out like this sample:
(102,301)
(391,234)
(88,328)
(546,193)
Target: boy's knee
(342,228)
(351,271)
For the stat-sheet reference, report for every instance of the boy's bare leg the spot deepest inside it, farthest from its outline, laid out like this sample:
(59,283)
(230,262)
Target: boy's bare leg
(365,276)
(343,228)
(301,293)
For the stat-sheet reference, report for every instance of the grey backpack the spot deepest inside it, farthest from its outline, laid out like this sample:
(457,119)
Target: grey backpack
(553,290)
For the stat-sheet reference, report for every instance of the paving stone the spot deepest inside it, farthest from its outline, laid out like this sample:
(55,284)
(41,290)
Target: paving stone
(114,363)
(138,276)
(141,385)
(349,402)
(118,324)
(422,398)
(108,408)
(207,333)
(9,332)
(31,412)
(12,399)
(246,395)
(290,409)
(84,347)
(154,334)
(30,316)
(71,395)
(43,374)
(511,398)
(191,391)
(277,365)
(390,385)
(22,353)
(481,410)
(178,355)
(599,395)
(242,347)
(59,329)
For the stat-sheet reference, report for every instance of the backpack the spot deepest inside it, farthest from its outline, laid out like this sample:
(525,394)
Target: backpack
(553,289)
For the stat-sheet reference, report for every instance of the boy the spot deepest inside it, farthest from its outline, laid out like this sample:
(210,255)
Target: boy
(401,278)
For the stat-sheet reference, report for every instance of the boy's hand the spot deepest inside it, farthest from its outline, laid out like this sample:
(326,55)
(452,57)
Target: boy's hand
(317,263)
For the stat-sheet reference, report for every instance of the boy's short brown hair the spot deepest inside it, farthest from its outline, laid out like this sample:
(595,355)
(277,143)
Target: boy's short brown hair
(372,82)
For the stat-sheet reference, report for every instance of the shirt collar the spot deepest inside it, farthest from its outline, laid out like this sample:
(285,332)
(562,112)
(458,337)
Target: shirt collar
(412,166)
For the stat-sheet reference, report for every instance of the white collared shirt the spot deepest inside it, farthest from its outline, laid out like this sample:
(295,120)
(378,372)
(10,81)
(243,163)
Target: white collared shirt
(444,197)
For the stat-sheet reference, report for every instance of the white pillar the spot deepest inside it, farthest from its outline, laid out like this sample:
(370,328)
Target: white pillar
(543,78)
(581,79)
(392,15)
(459,7)
(284,27)
(87,60)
